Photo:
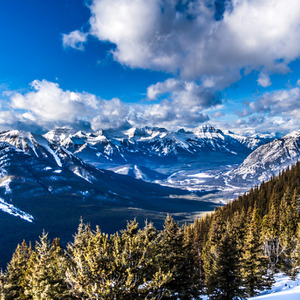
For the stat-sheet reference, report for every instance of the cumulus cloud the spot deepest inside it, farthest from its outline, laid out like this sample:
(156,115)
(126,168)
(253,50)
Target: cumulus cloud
(184,93)
(171,115)
(282,102)
(49,103)
(192,39)
(273,111)
(75,39)
(111,114)
(46,105)
(264,80)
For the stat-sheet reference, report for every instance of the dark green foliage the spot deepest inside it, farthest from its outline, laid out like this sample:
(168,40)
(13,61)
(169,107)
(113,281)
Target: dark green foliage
(45,274)
(254,263)
(221,261)
(229,254)
(14,283)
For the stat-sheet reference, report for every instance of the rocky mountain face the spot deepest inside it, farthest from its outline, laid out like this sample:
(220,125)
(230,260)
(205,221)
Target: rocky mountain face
(267,160)
(107,177)
(151,146)
(45,186)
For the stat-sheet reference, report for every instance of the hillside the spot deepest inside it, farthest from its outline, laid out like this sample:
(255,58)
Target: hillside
(234,252)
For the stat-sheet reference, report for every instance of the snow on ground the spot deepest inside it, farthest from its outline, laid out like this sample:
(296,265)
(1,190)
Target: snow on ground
(201,175)
(12,210)
(283,289)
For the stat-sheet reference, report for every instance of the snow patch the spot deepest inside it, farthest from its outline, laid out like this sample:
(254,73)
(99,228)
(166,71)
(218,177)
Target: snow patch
(12,210)
(284,288)
(201,175)
(5,183)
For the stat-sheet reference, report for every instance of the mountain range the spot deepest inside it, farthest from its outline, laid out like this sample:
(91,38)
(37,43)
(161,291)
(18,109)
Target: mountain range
(50,181)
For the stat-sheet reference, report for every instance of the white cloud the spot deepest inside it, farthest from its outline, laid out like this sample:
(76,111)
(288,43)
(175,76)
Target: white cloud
(204,55)
(184,93)
(277,111)
(168,114)
(281,102)
(48,102)
(111,114)
(75,39)
(184,37)
(264,80)
(47,105)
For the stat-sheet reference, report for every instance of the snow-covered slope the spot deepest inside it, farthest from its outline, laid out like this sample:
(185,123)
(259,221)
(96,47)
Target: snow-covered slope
(253,141)
(283,289)
(140,172)
(268,160)
(150,147)
(45,186)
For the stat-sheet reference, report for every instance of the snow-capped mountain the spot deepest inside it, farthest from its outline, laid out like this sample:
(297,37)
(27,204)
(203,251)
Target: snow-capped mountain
(31,161)
(154,146)
(253,141)
(268,160)
(45,186)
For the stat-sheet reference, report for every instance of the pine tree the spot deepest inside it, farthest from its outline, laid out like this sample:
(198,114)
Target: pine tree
(174,257)
(2,280)
(46,271)
(288,226)
(86,273)
(270,233)
(14,282)
(254,264)
(221,262)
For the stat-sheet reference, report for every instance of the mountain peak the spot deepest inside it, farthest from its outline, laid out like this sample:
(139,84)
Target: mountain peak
(207,131)
(59,134)
(293,134)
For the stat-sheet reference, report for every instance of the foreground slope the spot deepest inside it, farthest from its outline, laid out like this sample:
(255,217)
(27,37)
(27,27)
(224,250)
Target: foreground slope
(234,253)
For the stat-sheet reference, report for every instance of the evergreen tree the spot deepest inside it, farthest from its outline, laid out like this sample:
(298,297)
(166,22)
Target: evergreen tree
(174,257)
(2,280)
(254,264)
(270,233)
(221,263)
(85,273)
(14,282)
(46,271)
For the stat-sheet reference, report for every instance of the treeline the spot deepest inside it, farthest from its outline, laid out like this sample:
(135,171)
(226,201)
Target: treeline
(231,253)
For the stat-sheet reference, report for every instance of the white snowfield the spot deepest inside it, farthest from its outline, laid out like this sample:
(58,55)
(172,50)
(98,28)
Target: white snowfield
(283,289)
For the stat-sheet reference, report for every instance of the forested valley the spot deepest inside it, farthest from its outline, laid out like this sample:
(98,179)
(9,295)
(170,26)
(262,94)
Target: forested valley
(231,253)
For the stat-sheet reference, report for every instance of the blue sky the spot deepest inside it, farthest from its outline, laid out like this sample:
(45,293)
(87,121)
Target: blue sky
(114,63)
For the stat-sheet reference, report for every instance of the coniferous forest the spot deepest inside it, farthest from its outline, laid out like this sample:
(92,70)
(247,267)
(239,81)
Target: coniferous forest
(232,253)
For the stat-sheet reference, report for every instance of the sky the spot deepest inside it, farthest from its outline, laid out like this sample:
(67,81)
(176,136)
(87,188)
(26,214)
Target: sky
(101,64)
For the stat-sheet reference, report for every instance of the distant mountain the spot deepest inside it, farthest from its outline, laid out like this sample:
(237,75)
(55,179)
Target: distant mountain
(252,142)
(33,167)
(150,147)
(45,186)
(267,160)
